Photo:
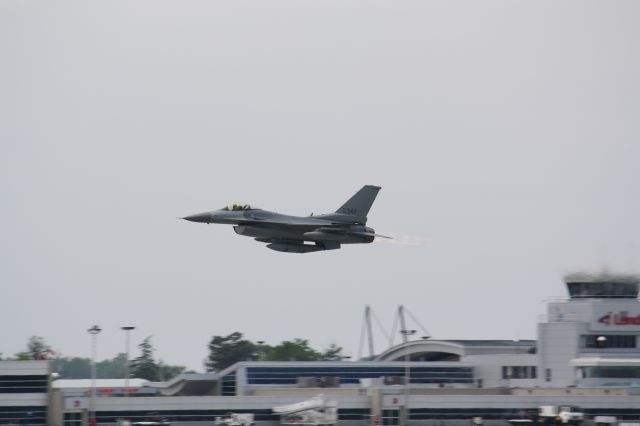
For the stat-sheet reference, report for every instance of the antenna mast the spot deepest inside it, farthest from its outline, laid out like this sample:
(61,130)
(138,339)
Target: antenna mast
(403,324)
(367,317)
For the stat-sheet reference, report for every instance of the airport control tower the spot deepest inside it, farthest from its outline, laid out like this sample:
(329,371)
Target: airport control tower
(592,339)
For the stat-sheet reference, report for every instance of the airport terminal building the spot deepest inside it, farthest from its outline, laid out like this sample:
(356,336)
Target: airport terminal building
(586,354)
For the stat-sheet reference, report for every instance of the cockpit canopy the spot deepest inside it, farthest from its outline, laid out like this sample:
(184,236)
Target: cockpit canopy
(236,207)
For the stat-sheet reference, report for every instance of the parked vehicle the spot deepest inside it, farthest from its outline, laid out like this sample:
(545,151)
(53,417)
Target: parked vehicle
(313,412)
(560,415)
(153,419)
(605,420)
(521,418)
(235,419)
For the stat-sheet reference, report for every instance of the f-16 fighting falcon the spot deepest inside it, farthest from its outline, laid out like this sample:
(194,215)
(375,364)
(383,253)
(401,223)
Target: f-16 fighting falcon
(291,233)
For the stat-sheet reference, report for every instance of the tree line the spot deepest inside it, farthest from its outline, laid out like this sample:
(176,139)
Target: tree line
(145,366)
(224,351)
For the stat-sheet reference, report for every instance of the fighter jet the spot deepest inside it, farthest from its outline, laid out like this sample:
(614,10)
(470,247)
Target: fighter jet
(295,234)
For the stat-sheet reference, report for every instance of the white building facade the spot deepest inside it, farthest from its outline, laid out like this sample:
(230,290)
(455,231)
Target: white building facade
(591,339)
(586,354)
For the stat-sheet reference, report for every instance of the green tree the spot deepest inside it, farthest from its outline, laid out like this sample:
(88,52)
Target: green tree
(80,368)
(112,368)
(22,356)
(144,366)
(73,368)
(37,348)
(227,350)
(296,350)
(168,372)
(333,353)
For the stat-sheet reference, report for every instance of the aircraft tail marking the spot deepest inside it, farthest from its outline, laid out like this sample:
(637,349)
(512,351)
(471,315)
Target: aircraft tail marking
(360,203)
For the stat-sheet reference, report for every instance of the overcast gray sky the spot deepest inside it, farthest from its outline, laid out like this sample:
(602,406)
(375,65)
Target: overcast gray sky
(505,136)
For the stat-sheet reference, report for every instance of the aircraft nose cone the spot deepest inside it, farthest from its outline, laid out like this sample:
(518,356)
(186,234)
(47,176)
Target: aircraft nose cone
(200,217)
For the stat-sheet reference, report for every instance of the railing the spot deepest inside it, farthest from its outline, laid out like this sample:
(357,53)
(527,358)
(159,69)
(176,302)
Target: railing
(558,318)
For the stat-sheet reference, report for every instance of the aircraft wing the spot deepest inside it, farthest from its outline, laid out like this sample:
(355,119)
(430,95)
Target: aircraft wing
(285,220)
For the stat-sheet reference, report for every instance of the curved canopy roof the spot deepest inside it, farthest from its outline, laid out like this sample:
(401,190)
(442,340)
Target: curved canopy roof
(453,350)
(417,350)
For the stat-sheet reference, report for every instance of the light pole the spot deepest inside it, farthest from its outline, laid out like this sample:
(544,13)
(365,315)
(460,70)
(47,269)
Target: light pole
(93,331)
(407,373)
(260,349)
(127,333)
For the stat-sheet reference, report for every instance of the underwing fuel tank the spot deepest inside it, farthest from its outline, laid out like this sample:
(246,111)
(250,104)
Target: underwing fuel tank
(294,248)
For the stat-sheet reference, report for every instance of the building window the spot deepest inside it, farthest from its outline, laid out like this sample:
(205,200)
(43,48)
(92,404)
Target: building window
(23,384)
(610,372)
(547,375)
(518,372)
(609,341)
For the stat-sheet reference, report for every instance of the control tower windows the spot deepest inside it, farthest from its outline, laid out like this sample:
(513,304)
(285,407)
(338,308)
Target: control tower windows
(602,286)
(609,341)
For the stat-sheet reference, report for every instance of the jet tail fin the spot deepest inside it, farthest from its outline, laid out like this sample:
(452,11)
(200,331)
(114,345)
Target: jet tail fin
(360,203)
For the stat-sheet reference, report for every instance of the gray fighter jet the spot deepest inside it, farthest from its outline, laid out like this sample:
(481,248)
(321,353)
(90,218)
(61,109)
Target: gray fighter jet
(292,233)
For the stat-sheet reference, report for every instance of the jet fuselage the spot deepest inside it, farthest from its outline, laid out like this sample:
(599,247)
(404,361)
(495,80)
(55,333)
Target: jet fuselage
(289,233)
